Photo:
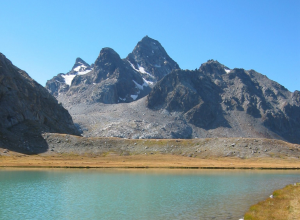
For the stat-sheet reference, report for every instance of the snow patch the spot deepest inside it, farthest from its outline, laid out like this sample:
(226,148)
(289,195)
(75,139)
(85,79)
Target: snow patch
(82,69)
(68,79)
(77,69)
(134,97)
(141,69)
(141,87)
(227,70)
(148,82)
(133,66)
(122,99)
(84,72)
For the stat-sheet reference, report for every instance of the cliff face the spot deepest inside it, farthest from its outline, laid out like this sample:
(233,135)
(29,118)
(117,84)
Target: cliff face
(214,96)
(27,107)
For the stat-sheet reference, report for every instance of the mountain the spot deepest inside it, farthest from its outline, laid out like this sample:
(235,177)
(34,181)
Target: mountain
(112,79)
(151,60)
(62,82)
(218,99)
(151,97)
(212,101)
(27,109)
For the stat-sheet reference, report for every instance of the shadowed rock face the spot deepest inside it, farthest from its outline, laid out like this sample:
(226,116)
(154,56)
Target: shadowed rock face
(151,60)
(27,105)
(192,93)
(208,97)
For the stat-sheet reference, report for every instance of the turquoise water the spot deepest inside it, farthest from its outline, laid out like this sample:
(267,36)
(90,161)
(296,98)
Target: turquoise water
(135,194)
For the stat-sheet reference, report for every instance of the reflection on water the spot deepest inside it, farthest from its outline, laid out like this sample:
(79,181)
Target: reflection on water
(135,194)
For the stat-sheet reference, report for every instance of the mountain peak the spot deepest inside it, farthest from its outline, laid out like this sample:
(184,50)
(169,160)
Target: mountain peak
(79,68)
(214,67)
(80,65)
(79,60)
(107,55)
(147,39)
(108,50)
(151,60)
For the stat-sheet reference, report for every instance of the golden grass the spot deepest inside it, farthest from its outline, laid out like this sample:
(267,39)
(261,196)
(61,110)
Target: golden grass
(111,159)
(285,205)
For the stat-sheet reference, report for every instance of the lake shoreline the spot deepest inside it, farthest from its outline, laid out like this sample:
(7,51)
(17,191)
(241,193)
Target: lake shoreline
(165,161)
(282,204)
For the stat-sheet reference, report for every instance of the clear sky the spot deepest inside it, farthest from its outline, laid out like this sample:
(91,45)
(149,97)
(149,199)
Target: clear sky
(45,37)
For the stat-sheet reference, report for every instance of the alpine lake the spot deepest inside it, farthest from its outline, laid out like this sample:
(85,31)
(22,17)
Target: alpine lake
(135,193)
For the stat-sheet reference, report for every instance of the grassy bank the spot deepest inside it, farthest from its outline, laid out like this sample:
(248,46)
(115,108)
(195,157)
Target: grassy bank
(111,159)
(285,205)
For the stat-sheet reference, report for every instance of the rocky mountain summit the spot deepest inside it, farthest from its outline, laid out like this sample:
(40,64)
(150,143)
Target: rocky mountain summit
(151,60)
(112,79)
(27,109)
(62,82)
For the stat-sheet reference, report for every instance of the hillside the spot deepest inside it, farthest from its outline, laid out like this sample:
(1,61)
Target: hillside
(27,110)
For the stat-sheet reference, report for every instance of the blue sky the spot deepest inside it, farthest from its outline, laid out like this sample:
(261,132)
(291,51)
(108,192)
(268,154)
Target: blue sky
(45,37)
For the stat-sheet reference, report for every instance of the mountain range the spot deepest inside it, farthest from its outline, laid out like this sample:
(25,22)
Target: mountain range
(211,101)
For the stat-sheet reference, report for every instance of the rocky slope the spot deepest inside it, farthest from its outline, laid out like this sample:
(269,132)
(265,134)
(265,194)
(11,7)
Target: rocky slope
(26,110)
(112,79)
(243,148)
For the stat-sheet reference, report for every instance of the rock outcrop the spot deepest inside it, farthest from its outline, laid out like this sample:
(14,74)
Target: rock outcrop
(27,109)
